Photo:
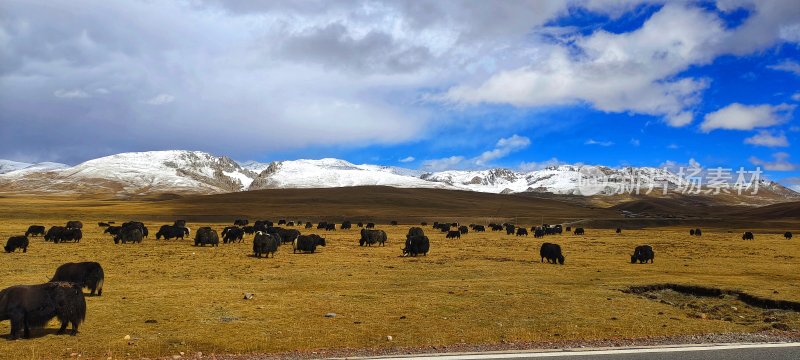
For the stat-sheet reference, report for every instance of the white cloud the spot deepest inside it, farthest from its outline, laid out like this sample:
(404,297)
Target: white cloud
(768,139)
(71,94)
(788,65)
(746,117)
(407,159)
(780,162)
(533,166)
(160,99)
(442,164)
(673,146)
(503,147)
(635,142)
(796,96)
(599,143)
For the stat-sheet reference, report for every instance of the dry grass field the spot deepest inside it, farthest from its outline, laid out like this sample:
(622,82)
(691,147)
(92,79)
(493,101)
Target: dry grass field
(484,288)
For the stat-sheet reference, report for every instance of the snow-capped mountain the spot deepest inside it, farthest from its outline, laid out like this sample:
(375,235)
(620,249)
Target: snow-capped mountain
(135,174)
(7,166)
(199,172)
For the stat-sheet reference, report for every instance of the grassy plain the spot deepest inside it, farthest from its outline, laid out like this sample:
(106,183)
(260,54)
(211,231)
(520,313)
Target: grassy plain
(483,288)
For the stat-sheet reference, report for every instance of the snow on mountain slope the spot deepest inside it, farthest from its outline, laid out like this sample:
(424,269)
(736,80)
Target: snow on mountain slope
(139,173)
(199,172)
(335,173)
(8,166)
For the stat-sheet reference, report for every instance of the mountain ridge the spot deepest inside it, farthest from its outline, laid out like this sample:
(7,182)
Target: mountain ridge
(197,172)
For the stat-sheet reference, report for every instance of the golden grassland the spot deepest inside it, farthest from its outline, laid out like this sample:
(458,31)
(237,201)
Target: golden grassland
(483,288)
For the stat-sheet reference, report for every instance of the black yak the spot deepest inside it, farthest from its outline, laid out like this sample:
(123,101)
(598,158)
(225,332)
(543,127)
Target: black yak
(510,229)
(307,243)
(538,233)
(265,244)
(330,227)
(698,232)
(455,234)
(231,234)
(619,230)
(416,245)
(170,232)
(691,232)
(282,222)
(370,225)
(128,234)
(521,231)
(415,231)
(579,231)
(86,274)
(35,230)
(17,242)
(479,228)
(551,252)
(463,230)
(787,235)
(748,236)
(69,234)
(240,222)
(393,223)
(346,225)
(206,236)
(286,235)
(54,233)
(309,225)
(74,224)
(35,305)
(642,254)
(369,237)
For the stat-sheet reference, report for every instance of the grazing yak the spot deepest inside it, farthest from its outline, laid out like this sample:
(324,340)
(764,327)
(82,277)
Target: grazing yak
(86,274)
(307,243)
(569,228)
(748,236)
(35,230)
(346,225)
(74,225)
(69,234)
(579,231)
(206,236)
(416,245)
(240,222)
(249,230)
(360,224)
(463,230)
(691,232)
(619,230)
(290,223)
(55,232)
(17,242)
(170,232)
(286,235)
(132,234)
(265,244)
(495,227)
(282,222)
(510,229)
(455,234)
(370,225)
(479,228)
(322,225)
(103,224)
(415,231)
(309,225)
(787,235)
(35,305)
(643,254)
(698,232)
(370,237)
(521,231)
(538,233)
(231,234)
(330,227)
(551,252)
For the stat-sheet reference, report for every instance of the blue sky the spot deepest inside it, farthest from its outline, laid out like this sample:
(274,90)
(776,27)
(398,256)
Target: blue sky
(423,84)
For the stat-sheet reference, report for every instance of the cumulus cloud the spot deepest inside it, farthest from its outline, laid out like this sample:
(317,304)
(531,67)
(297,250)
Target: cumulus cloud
(442,164)
(407,159)
(790,66)
(71,94)
(780,162)
(598,143)
(796,96)
(768,139)
(160,99)
(635,142)
(737,116)
(503,147)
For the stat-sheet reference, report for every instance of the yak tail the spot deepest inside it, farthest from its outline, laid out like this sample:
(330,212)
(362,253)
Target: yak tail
(100,287)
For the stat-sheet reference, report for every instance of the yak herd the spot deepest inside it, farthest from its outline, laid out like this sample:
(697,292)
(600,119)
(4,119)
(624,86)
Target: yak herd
(62,297)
